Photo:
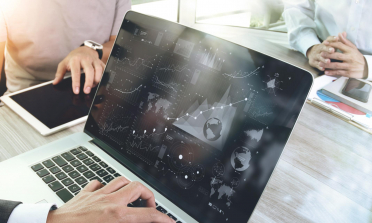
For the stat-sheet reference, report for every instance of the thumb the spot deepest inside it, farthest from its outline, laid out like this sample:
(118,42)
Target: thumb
(345,41)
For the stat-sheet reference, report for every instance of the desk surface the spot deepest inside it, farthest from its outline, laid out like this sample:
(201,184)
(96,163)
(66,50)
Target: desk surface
(323,175)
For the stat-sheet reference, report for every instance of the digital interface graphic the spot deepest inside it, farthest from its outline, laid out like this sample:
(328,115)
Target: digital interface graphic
(204,118)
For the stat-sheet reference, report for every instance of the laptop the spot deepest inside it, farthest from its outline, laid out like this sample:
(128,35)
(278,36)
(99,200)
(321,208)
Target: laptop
(199,120)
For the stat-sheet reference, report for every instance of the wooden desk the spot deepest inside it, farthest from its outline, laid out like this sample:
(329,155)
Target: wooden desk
(323,175)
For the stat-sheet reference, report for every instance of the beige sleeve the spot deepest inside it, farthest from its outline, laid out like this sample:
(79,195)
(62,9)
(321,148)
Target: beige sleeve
(122,6)
(3,28)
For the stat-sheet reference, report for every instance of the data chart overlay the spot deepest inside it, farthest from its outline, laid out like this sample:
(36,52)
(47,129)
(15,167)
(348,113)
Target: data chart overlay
(201,120)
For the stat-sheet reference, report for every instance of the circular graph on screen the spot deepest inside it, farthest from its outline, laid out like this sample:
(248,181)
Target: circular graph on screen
(186,178)
(240,158)
(180,156)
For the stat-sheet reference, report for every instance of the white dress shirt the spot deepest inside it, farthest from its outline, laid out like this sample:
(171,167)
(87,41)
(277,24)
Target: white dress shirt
(309,20)
(30,213)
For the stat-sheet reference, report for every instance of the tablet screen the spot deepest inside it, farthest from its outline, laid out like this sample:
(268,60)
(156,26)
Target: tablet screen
(55,105)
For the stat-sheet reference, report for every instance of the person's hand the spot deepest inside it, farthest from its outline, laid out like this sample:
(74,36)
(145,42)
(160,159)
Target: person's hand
(315,53)
(353,63)
(97,204)
(81,58)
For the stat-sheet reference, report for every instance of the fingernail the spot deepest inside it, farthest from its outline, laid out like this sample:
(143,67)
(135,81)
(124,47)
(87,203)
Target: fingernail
(326,42)
(76,90)
(327,61)
(326,72)
(87,90)
(321,68)
(330,49)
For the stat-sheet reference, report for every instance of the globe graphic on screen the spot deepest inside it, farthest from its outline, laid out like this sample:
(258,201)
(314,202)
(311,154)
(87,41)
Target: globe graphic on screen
(212,129)
(240,158)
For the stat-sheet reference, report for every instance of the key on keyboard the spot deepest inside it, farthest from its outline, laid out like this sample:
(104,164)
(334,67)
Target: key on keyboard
(75,151)
(96,159)
(59,161)
(161,209)
(55,186)
(89,174)
(42,172)
(94,167)
(83,148)
(88,162)
(117,175)
(75,163)
(74,174)
(68,156)
(37,167)
(49,179)
(109,169)
(65,195)
(172,217)
(89,153)
(55,170)
(73,188)
(82,156)
(103,164)
(68,168)
(108,178)
(61,176)
(81,180)
(82,168)
(102,173)
(48,163)
(67,182)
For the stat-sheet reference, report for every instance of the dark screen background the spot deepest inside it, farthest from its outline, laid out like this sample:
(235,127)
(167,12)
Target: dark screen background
(55,105)
(200,119)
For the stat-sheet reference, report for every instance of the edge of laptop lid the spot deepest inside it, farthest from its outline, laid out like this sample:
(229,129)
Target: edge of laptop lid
(216,210)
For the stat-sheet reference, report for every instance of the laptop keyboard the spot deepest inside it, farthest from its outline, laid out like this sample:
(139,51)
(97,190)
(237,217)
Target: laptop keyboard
(66,174)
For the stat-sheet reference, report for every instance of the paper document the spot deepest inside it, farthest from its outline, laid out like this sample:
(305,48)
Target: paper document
(336,107)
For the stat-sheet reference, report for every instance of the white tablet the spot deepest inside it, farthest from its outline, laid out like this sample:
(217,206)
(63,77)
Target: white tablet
(50,108)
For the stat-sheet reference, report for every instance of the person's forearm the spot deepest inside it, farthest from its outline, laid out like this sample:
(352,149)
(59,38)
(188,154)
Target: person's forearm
(107,48)
(2,50)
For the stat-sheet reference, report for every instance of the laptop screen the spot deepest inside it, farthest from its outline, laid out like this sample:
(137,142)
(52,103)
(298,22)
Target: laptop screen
(200,119)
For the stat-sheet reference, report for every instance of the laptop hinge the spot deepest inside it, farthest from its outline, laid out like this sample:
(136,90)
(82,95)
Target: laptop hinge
(94,143)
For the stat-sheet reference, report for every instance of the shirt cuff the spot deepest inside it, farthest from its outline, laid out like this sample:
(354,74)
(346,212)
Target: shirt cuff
(30,213)
(307,39)
(369,64)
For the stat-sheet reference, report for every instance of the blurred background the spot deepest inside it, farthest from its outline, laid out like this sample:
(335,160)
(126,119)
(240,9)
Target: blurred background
(260,18)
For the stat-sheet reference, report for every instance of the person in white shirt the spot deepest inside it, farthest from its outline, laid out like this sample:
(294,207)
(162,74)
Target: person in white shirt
(335,35)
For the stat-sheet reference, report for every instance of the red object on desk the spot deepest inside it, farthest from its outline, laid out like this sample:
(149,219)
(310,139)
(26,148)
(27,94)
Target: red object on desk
(346,108)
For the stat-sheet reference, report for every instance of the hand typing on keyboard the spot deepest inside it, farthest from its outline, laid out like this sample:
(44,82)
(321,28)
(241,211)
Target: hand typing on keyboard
(98,203)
